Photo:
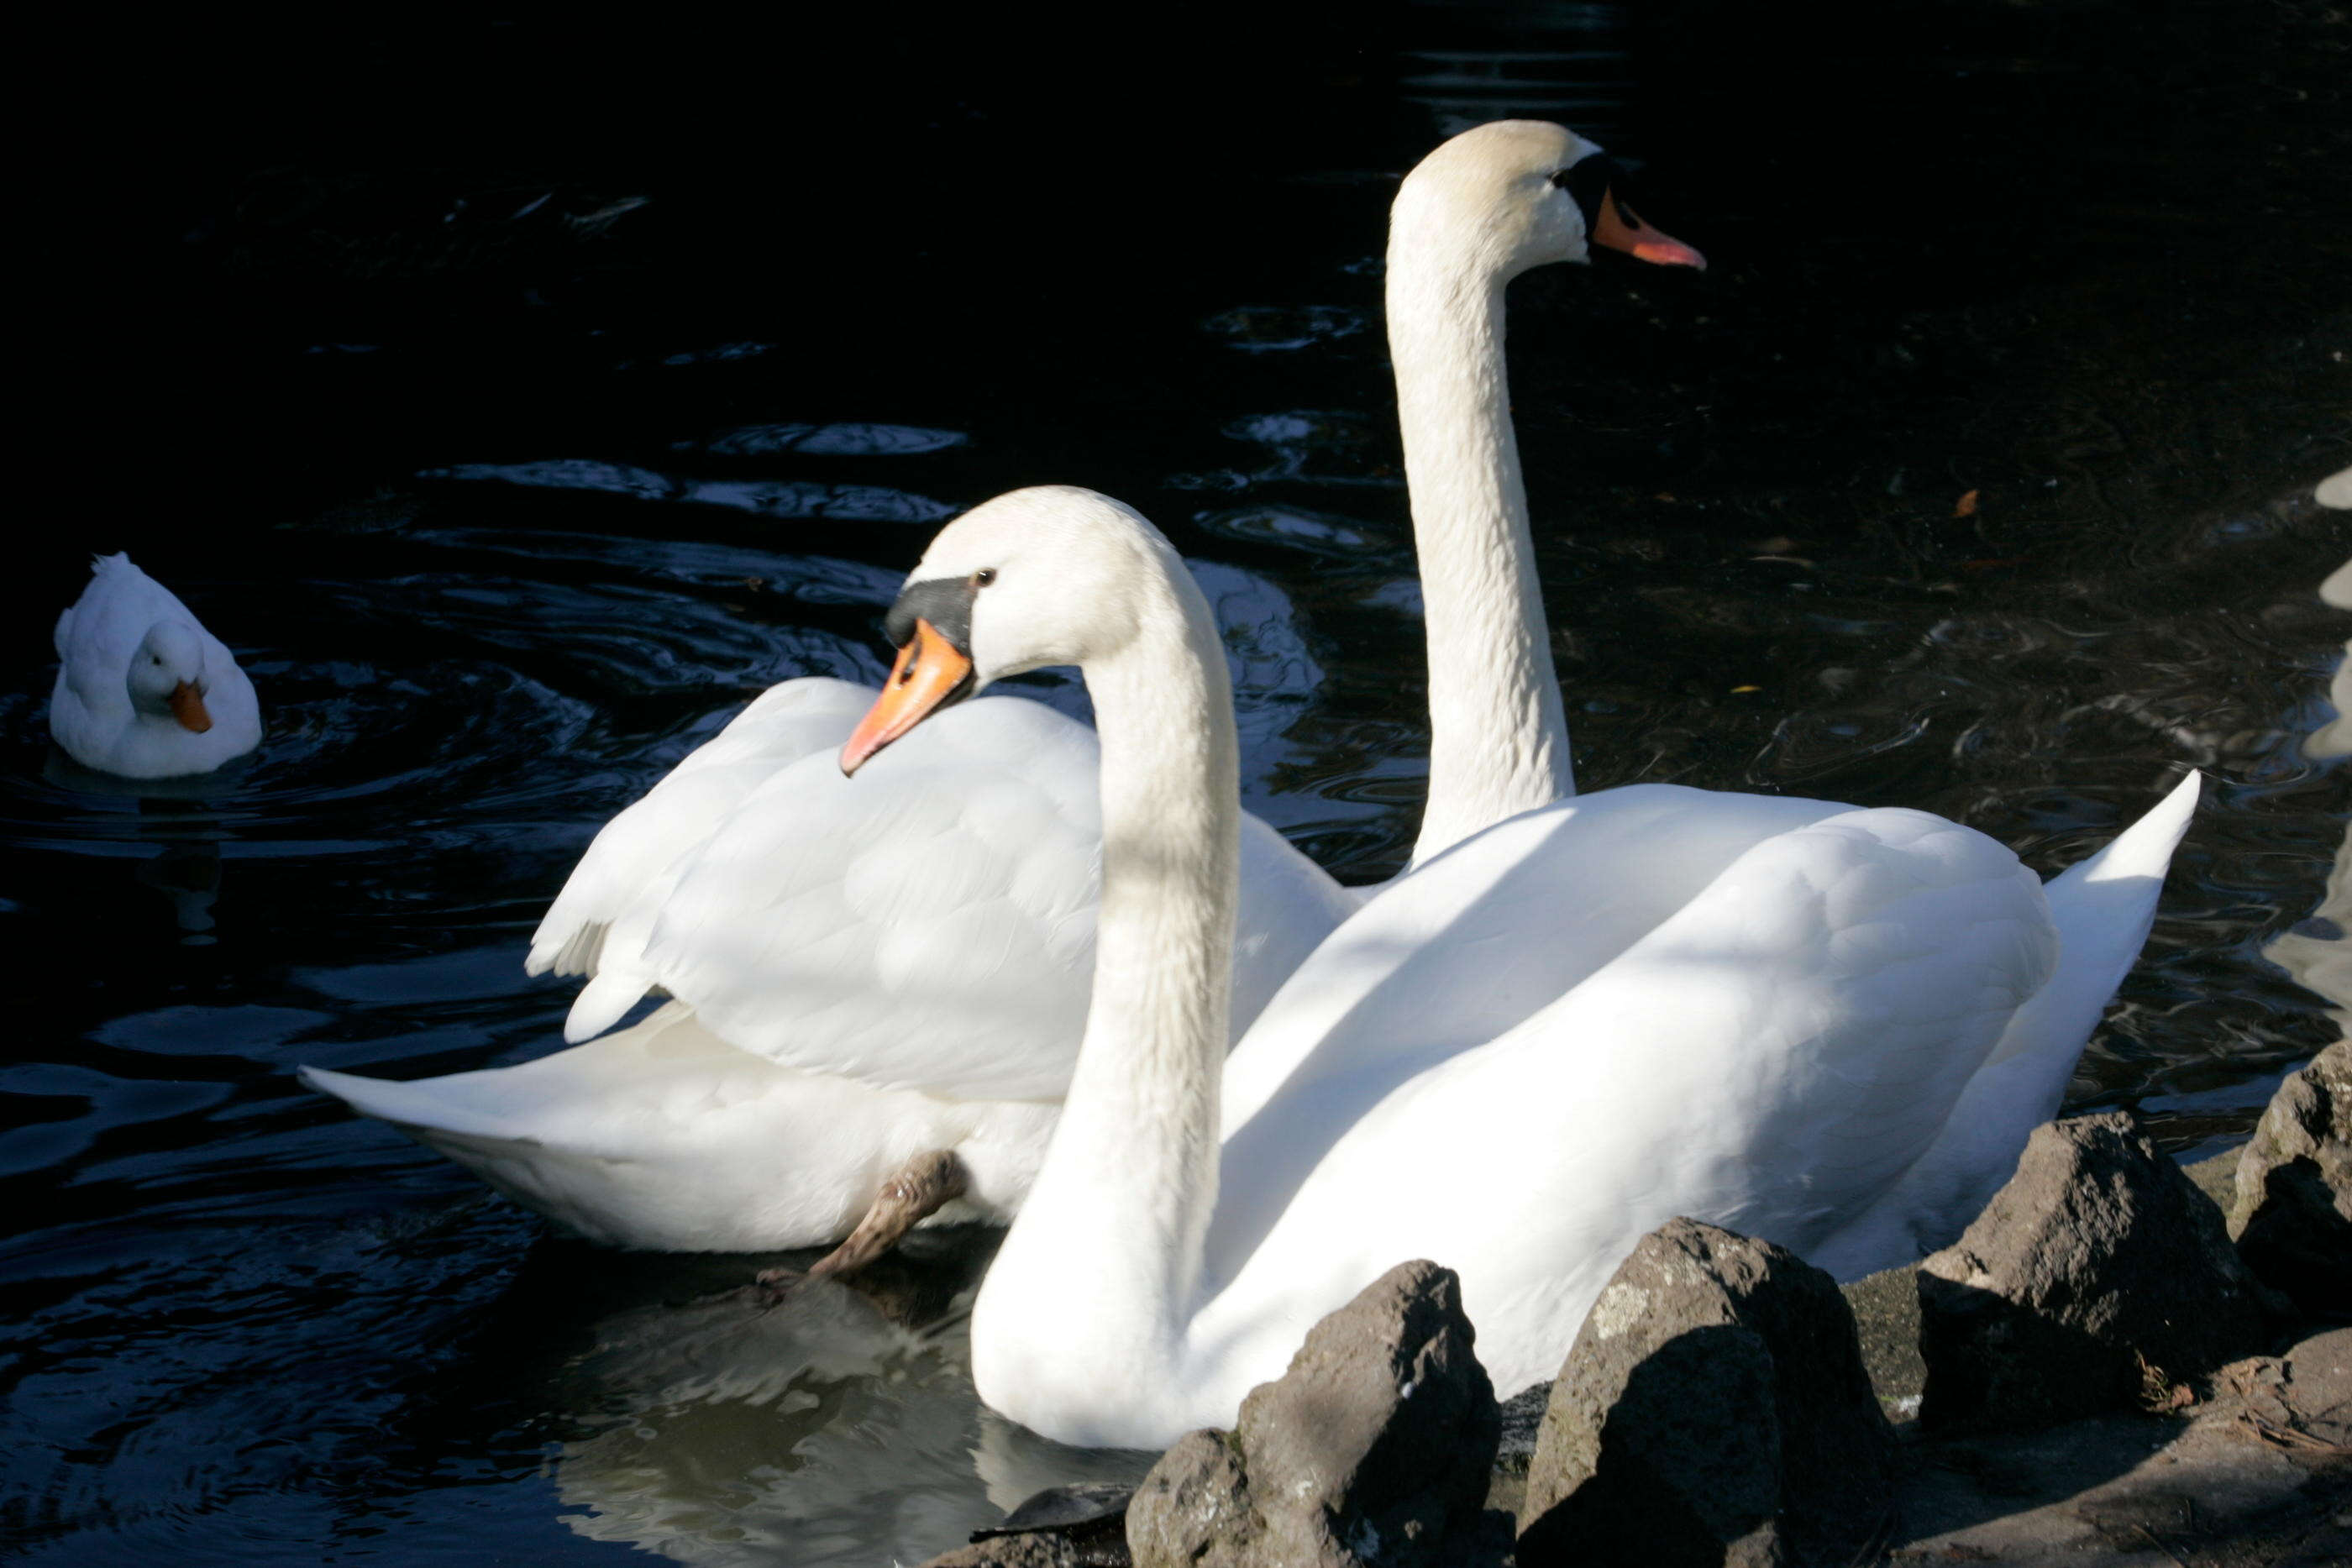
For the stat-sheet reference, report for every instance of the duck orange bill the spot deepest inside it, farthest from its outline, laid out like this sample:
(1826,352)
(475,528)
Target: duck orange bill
(188,707)
(929,676)
(1620,229)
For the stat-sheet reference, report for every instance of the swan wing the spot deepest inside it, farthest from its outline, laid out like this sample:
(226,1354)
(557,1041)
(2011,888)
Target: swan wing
(1465,947)
(930,924)
(787,722)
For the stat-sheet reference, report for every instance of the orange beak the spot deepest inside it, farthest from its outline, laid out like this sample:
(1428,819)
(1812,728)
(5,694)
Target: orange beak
(1618,229)
(929,675)
(187,705)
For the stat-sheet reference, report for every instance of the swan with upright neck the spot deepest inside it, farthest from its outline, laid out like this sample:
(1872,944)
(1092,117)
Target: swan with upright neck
(1485,206)
(1777,1032)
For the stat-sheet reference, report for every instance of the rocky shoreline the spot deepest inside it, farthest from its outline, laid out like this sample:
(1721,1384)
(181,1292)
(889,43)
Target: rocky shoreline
(2120,1363)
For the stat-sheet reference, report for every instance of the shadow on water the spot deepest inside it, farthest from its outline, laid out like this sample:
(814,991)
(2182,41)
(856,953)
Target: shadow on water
(514,444)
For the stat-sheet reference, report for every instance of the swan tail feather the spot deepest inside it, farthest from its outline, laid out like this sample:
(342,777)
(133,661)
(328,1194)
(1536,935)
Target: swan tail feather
(2102,908)
(426,1106)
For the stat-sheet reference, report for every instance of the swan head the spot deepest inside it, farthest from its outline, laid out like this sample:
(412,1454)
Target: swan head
(1514,194)
(167,675)
(1050,575)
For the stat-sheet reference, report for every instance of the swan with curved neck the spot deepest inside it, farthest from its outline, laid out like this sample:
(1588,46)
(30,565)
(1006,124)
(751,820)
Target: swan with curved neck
(1779,1042)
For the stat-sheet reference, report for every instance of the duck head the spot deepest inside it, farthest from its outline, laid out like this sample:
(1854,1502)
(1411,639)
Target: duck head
(167,675)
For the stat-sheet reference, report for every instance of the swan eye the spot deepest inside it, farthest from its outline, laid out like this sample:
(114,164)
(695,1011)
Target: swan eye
(984,577)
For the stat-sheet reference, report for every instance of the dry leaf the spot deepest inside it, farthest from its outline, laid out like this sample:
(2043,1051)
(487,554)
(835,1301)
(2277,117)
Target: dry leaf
(1966,507)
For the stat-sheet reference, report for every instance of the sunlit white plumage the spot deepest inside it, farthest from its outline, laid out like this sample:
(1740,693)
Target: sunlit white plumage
(143,690)
(1827,1026)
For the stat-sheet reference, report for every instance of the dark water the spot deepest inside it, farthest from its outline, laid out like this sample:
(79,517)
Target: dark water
(517,401)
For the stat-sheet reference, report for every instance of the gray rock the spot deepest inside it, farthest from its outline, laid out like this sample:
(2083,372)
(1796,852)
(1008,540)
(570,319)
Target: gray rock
(2293,1217)
(1372,1449)
(1522,1420)
(2099,1278)
(1713,1410)
(1018,1551)
(1195,1507)
(1083,1525)
(1071,1507)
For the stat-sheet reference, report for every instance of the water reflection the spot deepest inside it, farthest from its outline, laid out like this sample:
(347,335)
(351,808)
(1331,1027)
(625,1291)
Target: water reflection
(173,811)
(768,497)
(1587,86)
(835,1425)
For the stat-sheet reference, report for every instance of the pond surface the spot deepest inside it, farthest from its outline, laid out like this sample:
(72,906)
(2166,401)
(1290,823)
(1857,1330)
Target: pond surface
(518,403)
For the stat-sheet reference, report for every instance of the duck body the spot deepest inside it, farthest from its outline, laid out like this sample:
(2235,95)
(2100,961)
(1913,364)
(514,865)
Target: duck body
(143,691)
(859,975)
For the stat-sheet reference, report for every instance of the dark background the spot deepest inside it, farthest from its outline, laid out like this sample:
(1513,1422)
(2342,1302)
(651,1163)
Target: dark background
(1020,210)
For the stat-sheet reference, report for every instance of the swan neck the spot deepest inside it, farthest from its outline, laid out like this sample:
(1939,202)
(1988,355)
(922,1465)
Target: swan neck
(1498,737)
(1097,1275)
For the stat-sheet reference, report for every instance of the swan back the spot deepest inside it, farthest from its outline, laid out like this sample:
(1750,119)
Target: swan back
(1465,949)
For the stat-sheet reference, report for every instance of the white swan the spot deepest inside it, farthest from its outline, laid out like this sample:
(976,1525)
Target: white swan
(143,690)
(865,980)
(788,913)
(1825,1026)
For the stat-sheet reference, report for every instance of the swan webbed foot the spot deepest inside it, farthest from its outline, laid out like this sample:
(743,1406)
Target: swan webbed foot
(912,1193)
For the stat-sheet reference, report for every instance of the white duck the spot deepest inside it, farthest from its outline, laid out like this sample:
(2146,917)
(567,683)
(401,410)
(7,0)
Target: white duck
(143,691)
(1829,1026)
